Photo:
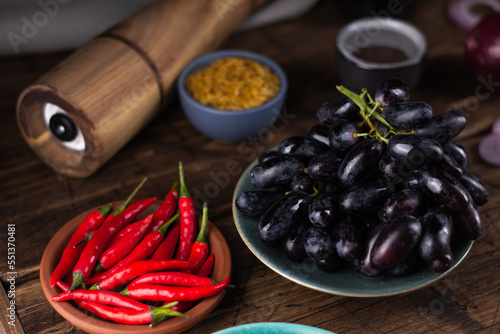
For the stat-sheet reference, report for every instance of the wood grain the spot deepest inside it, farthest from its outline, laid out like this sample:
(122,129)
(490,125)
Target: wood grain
(39,201)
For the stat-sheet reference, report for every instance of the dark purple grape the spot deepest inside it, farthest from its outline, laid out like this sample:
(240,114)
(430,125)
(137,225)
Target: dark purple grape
(302,182)
(437,226)
(324,209)
(409,201)
(303,148)
(395,242)
(275,172)
(407,115)
(449,165)
(325,166)
(332,111)
(414,151)
(392,169)
(359,161)
(342,134)
(267,155)
(391,91)
(366,196)
(366,221)
(476,188)
(411,181)
(442,263)
(332,187)
(347,239)
(468,221)
(277,221)
(443,127)
(255,203)
(406,266)
(458,153)
(443,189)
(320,133)
(293,243)
(321,249)
(365,265)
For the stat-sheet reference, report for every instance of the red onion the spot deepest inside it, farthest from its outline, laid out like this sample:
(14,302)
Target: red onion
(495,129)
(489,149)
(483,50)
(460,14)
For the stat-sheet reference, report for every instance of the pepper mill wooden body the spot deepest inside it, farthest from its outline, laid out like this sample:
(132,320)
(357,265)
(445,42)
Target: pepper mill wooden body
(84,110)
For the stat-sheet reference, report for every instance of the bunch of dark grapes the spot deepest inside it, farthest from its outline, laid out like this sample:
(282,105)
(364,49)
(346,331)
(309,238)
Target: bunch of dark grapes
(379,184)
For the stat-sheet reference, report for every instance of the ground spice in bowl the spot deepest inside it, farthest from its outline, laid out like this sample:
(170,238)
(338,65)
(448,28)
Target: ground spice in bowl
(233,83)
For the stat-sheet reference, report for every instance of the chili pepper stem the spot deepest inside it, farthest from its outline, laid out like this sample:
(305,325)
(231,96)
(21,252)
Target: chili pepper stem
(202,235)
(164,227)
(124,292)
(184,192)
(162,313)
(78,278)
(84,240)
(130,197)
(105,209)
(98,267)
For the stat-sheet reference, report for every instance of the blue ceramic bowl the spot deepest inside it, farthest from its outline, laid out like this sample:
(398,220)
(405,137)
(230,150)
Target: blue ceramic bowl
(231,125)
(273,328)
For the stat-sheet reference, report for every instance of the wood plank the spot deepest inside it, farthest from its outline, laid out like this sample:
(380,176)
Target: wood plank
(9,318)
(39,202)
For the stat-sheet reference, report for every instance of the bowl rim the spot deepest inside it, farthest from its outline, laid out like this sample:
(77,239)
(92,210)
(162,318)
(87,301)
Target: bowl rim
(95,324)
(411,32)
(208,58)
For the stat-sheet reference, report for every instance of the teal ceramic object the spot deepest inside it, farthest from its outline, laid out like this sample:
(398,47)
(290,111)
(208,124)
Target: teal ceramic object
(345,281)
(273,328)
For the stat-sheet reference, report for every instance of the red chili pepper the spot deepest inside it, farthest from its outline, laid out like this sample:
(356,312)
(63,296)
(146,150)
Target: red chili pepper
(137,269)
(151,315)
(117,211)
(122,233)
(166,209)
(207,267)
(165,250)
(187,220)
(121,249)
(172,278)
(102,297)
(173,293)
(141,252)
(70,254)
(101,237)
(204,271)
(199,250)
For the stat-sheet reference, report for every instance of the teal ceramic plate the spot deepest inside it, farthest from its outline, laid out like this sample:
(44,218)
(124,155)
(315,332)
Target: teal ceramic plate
(345,281)
(273,328)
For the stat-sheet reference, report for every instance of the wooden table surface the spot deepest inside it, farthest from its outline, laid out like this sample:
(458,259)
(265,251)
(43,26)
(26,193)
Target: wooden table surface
(39,202)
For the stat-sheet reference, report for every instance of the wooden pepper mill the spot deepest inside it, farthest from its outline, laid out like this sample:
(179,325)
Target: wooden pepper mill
(85,109)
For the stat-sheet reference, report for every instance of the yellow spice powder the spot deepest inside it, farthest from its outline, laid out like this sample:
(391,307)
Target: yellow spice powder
(233,83)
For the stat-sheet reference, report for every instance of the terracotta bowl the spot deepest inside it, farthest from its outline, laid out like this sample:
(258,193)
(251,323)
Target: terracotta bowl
(94,324)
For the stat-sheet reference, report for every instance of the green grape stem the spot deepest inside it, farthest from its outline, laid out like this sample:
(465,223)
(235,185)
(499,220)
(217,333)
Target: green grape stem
(369,111)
